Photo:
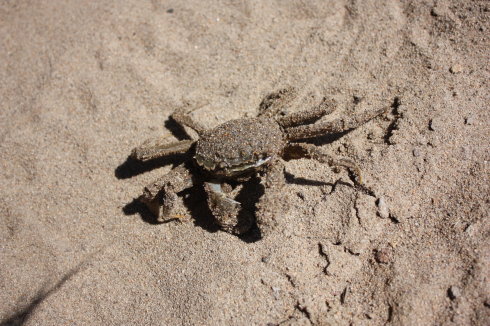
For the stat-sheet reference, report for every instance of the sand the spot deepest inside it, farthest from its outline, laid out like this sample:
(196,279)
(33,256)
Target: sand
(83,82)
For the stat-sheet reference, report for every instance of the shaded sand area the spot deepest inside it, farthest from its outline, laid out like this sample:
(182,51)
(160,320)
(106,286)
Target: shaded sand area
(83,82)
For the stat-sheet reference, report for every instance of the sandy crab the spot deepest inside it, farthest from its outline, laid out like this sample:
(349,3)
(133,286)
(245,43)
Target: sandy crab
(239,149)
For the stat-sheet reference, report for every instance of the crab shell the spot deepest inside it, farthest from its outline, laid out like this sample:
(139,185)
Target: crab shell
(238,147)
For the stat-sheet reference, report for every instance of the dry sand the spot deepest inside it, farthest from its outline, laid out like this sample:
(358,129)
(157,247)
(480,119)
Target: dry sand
(83,82)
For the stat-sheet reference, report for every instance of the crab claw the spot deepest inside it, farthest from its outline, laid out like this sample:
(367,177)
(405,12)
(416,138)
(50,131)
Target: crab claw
(227,210)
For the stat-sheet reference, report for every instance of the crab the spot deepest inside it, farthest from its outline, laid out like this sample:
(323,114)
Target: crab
(238,150)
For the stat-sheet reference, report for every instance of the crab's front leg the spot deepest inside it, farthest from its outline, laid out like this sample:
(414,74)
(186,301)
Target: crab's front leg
(272,203)
(161,197)
(229,213)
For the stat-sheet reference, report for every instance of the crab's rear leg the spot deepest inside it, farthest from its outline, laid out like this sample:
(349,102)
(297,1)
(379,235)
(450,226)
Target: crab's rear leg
(332,127)
(300,150)
(325,107)
(161,197)
(274,104)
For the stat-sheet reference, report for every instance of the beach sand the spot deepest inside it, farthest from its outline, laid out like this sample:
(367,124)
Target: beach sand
(84,82)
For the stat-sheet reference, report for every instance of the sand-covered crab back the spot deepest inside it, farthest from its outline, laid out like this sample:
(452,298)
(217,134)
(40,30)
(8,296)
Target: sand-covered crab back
(239,145)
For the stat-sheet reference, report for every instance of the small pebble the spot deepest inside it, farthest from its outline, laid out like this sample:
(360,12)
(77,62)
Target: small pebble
(266,259)
(454,292)
(416,152)
(469,120)
(433,12)
(383,256)
(170,11)
(383,210)
(276,292)
(436,11)
(456,69)
(434,124)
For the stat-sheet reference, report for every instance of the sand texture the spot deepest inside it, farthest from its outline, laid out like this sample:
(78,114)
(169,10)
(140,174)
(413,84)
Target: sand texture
(84,82)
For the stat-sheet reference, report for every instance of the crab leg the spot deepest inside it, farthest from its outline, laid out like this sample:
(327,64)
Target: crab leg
(308,116)
(183,118)
(160,196)
(300,150)
(273,104)
(158,147)
(332,127)
(272,199)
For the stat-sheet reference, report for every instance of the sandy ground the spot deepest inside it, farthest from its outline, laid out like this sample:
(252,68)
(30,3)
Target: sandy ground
(83,82)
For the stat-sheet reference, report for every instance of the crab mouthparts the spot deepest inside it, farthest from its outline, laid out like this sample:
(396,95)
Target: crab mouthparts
(244,167)
(232,168)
